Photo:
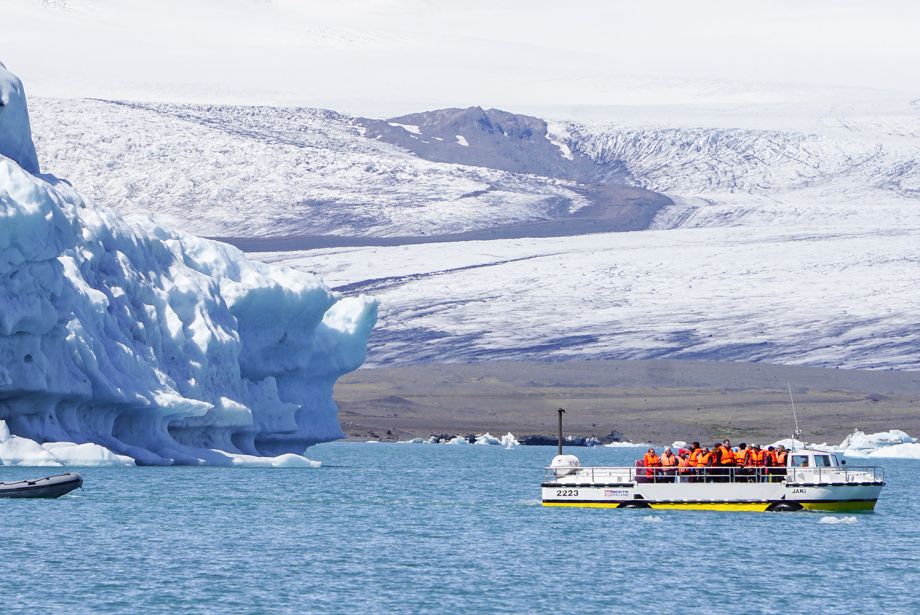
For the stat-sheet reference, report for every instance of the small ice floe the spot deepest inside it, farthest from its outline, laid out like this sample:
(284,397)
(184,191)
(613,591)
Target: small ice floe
(508,440)
(414,441)
(837,520)
(18,451)
(289,460)
(458,440)
(625,445)
(487,439)
(462,141)
(651,519)
(678,444)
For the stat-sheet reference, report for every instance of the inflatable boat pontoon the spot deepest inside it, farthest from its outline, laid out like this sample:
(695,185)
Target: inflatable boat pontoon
(47,487)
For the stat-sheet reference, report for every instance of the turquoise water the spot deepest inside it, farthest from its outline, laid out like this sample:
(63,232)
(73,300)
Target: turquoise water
(421,528)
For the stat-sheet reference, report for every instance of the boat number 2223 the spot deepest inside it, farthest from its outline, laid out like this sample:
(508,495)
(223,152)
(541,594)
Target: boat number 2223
(566,492)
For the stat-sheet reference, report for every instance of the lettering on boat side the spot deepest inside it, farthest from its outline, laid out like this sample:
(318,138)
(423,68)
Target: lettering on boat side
(798,490)
(612,493)
(566,492)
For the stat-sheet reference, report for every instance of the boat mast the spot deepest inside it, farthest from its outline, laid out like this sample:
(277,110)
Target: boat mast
(797,434)
(561,411)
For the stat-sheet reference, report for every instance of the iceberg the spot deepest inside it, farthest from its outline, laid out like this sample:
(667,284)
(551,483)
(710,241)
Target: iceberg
(884,444)
(153,344)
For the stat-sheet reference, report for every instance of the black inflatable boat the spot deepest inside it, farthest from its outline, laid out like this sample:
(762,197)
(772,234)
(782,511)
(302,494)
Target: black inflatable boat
(47,487)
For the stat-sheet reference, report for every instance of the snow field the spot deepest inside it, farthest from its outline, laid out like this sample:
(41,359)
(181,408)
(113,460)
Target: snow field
(827,297)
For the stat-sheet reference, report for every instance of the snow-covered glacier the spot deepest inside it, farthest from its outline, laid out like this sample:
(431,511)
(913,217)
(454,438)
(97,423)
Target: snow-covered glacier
(155,344)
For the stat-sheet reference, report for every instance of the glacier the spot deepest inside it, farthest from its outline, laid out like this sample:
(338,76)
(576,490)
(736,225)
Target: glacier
(155,344)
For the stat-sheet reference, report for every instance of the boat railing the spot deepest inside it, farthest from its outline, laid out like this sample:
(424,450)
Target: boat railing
(725,474)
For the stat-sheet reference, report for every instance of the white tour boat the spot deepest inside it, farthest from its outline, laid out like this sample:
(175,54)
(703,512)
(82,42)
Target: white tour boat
(811,480)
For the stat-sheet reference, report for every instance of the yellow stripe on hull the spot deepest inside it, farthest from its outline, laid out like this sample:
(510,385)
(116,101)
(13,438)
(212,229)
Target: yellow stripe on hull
(726,506)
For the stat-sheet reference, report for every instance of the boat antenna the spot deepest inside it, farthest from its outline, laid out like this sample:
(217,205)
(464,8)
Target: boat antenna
(797,434)
(561,411)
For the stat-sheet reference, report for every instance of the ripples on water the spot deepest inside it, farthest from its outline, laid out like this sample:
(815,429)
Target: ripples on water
(422,528)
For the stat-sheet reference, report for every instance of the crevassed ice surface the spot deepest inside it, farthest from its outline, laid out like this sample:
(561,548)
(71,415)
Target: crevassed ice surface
(271,171)
(793,237)
(156,344)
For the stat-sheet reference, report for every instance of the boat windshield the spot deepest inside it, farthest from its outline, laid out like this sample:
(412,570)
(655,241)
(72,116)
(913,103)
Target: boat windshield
(823,461)
(800,461)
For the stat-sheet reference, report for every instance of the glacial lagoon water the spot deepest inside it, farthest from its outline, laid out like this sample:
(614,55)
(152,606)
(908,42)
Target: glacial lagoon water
(425,528)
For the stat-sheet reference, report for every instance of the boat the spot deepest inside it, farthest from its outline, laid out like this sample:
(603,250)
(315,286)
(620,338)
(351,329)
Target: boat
(47,487)
(812,479)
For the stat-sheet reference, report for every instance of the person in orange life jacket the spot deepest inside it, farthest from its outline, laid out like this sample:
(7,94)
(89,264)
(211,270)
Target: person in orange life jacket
(780,462)
(757,459)
(695,452)
(651,461)
(706,462)
(668,465)
(726,460)
(684,469)
(769,462)
(742,456)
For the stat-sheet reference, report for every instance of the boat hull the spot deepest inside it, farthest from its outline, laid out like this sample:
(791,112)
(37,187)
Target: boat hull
(47,487)
(737,497)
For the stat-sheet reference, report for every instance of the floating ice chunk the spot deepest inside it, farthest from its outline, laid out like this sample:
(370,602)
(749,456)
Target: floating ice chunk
(487,439)
(908,450)
(678,444)
(413,441)
(625,445)
(837,520)
(893,443)
(462,141)
(509,441)
(157,345)
(288,460)
(17,451)
(859,440)
(458,440)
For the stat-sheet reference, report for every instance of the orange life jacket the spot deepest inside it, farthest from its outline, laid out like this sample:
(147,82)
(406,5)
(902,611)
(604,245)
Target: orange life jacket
(683,465)
(741,457)
(704,460)
(668,462)
(726,456)
(757,458)
(651,460)
(781,458)
(695,456)
(769,459)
